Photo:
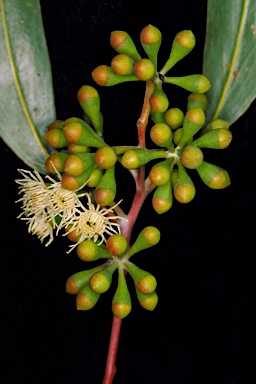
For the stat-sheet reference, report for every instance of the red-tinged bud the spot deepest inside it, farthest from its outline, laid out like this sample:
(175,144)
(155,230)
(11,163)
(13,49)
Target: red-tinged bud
(76,148)
(144,69)
(162,198)
(161,135)
(192,83)
(184,190)
(122,42)
(160,173)
(86,299)
(80,279)
(55,162)
(148,301)
(105,76)
(122,64)
(82,134)
(158,100)
(219,138)
(116,244)
(105,157)
(151,38)
(88,250)
(72,235)
(55,138)
(197,100)
(95,177)
(192,157)
(55,124)
(75,182)
(182,45)
(100,281)
(193,121)
(105,190)
(89,100)
(216,124)
(121,303)
(76,164)
(213,176)
(174,117)
(144,281)
(137,157)
(147,238)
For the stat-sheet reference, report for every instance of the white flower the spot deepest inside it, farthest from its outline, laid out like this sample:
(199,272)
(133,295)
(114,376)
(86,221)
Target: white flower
(93,223)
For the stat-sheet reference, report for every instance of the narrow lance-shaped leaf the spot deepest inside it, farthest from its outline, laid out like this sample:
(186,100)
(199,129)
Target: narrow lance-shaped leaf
(230,58)
(27,99)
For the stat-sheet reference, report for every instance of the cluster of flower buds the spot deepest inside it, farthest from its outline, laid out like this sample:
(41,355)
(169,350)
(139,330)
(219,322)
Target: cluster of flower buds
(88,285)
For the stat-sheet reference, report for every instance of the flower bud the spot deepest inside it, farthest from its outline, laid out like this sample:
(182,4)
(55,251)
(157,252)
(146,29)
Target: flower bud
(151,38)
(193,121)
(162,198)
(89,100)
(122,64)
(121,303)
(184,190)
(144,281)
(182,45)
(76,148)
(75,182)
(95,177)
(55,124)
(137,157)
(82,134)
(160,173)
(192,157)
(174,176)
(76,164)
(105,190)
(213,176)
(161,135)
(158,100)
(174,117)
(88,250)
(80,279)
(55,162)
(122,42)
(144,69)
(86,299)
(101,280)
(147,238)
(105,157)
(157,117)
(148,301)
(55,138)
(192,83)
(105,76)
(219,138)
(116,244)
(197,100)
(216,124)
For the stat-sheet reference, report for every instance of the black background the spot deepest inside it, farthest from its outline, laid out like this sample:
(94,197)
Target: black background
(203,329)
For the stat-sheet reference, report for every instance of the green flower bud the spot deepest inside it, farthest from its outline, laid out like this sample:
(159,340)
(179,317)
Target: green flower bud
(55,138)
(160,173)
(219,138)
(121,303)
(174,117)
(116,244)
(192,83)
(151,38)
(75,165)
(88,250)
(101,280)
(147,238)
(197,100)
(89,100)
(174,176)
(213,176)
(182,45)
(144,281)
(137,157)
(162,198)
(216,124)
(75,182)
(149,301)
(55,124)
(157,117)
(82,134)
(192,157)
(76,148)
(80,279)
(184,190)
(122,64)
(55,162)
(105,76)
(105,190)
(105,157)
(193,121)
(144,69)
(86,299)
(161,135)
(95,177)
(122,42)
(158,100)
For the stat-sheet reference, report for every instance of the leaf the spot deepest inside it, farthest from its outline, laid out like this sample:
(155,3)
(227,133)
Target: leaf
(27,99)
(230,58)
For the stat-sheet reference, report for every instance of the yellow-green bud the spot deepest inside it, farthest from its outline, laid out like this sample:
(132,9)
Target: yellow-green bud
(105,76)
(82,134)
(162,198)
(105,157)
(137,157)
(144,69)
(151,38)
(88,250)
(219,138)
(159,101)
(75,182)
(116,244)
(122,64)
(193,121)
(105,190)
(160,173)
(121,303)
(55,162)
(95,177)
(174,117)
(213,176)
(192,157)
(86,299)
(149,301)
(197,100)
(161,135)
(76,164)
(89,100)
(101,280)
(144,281)
(55,138)
(192,83)
(80,279)
(184,190)
(122,42)
(147,238)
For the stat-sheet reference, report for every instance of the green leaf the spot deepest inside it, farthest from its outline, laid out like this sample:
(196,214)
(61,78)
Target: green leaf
(27,100)
(230,58)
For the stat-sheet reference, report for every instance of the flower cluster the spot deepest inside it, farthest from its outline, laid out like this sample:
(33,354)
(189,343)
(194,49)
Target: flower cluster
(47,206)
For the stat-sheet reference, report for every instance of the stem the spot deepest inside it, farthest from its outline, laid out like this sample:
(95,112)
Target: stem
(126,226)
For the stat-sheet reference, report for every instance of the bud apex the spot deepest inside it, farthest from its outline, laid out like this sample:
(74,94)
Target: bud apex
(197,100)
(148,301)
(80,279)
(144,69)
(116,244)
(161,135)
(151,38)
(101,280)
(121,303)
(192,157)
(184,190)
(105,157)
(88,250)
(158,100)
(122,64)
(174,117)
(86,299)
(56,162)
(55,138)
